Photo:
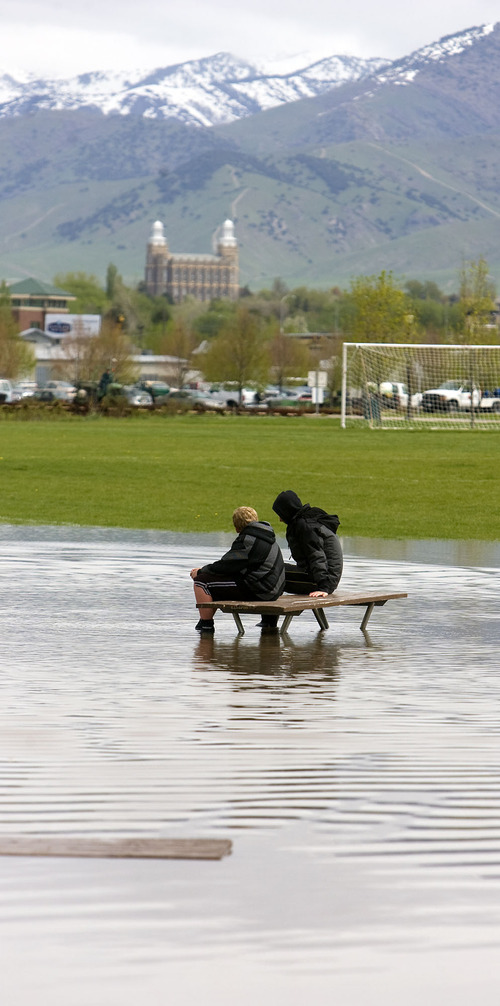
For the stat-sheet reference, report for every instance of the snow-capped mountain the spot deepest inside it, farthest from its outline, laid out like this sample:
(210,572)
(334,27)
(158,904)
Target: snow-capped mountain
(378,168)
(204,92)
(221,88)
(404,71)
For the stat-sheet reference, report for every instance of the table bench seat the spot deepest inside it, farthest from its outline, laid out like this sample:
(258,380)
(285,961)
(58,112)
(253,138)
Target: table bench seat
(291,605)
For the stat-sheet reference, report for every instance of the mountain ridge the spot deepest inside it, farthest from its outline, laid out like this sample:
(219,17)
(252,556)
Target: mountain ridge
(397,170)
(203,92)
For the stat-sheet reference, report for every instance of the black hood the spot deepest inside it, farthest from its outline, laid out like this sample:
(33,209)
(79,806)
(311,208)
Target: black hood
(287,505)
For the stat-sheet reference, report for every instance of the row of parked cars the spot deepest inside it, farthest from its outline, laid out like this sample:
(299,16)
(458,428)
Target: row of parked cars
(450,396)
(218,399)
(11,392)
(148,393)
(64,391)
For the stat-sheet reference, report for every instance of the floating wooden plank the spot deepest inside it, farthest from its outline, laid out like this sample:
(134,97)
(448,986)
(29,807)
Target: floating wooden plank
(121,848)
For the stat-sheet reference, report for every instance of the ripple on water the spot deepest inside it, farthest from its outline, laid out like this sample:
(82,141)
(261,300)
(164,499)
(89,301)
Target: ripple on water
(359,770)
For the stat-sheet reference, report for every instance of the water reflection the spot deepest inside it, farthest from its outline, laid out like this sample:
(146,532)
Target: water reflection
(356,774)
(271,656)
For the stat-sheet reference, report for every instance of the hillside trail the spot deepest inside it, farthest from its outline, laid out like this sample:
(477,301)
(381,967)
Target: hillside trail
(34,223)
(236,201)
(438,181)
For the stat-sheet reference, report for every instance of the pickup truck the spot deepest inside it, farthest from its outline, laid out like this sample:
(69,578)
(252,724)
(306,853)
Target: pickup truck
(8,393)
(451,396)
(490,402)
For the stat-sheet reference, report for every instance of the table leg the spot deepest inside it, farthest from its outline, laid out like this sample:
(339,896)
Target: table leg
(239,623)
(369,609)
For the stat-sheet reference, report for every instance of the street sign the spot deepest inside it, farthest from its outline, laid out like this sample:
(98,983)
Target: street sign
(317,379)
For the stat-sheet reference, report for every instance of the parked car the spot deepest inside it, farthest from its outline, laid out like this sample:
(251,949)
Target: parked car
(61,389)
(26,389)
(157,389)
(45,395)
(8,392)
(89,393)
(302,393)
(394,395)
(231,399)
(135,396)
(195,399)
(451,396)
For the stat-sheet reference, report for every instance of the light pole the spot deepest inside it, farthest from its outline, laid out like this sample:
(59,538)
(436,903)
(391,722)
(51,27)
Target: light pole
(409,388)
(281,355)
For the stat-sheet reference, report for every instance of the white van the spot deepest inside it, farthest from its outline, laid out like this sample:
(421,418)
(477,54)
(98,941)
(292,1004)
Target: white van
(8,392)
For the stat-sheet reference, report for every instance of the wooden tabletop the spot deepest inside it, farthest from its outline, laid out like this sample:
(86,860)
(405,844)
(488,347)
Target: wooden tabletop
(289,603)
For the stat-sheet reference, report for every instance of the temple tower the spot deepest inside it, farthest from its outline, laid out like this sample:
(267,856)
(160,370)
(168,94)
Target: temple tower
(227,250)
(157,261)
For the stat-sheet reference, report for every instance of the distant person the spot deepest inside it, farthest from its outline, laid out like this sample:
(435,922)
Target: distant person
(312,536)
(106,380)
(252,570)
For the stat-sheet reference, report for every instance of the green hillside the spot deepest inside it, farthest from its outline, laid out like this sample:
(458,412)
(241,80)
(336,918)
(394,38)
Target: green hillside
(404,178)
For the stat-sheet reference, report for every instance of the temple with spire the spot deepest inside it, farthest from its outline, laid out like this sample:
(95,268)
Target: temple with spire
(204,277)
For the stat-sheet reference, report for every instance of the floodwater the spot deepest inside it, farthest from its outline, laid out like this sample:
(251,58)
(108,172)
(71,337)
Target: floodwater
(357,776)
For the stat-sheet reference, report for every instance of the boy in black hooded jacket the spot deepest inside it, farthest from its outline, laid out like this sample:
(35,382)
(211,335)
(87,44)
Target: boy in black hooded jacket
(311,535)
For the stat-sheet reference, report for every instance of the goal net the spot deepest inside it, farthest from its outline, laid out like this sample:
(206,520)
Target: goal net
(396,385)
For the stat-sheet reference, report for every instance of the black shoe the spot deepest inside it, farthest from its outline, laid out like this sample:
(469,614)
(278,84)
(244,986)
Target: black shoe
(268,622)
(205,625)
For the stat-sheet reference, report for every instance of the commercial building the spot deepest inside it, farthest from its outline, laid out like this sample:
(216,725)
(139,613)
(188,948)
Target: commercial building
(31,300)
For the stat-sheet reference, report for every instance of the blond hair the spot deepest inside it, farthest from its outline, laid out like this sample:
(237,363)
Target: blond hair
(244,515)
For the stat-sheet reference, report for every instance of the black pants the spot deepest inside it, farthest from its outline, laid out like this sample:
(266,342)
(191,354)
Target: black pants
(297,582)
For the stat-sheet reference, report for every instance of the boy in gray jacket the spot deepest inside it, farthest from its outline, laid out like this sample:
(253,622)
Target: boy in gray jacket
(252,570)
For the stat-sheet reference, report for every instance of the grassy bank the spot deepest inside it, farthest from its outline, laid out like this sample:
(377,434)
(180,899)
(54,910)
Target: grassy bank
(187,473)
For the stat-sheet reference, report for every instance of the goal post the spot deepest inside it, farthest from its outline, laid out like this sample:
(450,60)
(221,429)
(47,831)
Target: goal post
(403,385)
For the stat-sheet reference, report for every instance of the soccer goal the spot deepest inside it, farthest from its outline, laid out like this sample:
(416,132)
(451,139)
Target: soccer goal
(396,385)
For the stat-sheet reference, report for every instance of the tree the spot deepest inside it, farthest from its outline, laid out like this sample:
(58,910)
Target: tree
(424,291)
(376,310)
(113,349)
(239,354)
(160,312)
(111,279)
(180,342)
(289,357)
(477,302)
(87,357)
(211,321)
(91,298)
(16,357)
(127,308)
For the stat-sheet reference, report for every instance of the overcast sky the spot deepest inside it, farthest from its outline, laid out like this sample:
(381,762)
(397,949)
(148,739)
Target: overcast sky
(63,37)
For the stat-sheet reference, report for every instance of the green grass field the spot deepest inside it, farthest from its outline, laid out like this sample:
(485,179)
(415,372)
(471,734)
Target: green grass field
(187,473)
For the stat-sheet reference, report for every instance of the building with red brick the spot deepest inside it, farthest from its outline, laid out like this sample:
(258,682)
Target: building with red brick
(31,300)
